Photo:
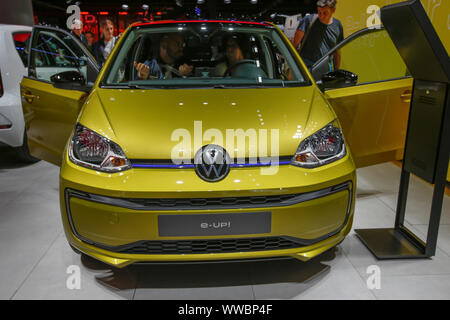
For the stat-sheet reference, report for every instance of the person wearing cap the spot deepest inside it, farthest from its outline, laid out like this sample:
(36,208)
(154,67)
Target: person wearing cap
(317,34)
(77,31)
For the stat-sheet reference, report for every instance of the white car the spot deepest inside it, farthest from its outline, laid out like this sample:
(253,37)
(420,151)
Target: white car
(13,66)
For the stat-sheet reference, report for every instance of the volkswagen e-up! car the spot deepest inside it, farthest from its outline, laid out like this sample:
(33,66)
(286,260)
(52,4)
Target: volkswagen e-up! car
(196,141)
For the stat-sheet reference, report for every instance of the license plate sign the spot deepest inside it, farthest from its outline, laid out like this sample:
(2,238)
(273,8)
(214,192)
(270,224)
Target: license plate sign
(192,225)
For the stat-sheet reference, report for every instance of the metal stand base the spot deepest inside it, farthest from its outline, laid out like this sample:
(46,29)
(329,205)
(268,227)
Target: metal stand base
(392,243)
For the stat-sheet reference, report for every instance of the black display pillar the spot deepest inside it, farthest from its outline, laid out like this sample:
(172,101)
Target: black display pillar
(427,147)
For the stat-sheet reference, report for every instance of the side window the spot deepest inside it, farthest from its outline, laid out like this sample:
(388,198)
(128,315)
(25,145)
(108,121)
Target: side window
(53,52)
(373,57)
(20,41)
(279,66)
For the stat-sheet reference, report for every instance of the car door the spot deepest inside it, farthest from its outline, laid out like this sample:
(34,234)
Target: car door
(51,107)
(373,111)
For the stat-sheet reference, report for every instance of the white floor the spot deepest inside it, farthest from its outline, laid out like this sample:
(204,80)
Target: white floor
(35,256)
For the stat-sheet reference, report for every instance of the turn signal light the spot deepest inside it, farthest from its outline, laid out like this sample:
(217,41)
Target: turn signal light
(5,123)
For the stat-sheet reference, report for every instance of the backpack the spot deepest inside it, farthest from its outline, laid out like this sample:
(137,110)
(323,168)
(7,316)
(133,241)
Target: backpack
(307,32)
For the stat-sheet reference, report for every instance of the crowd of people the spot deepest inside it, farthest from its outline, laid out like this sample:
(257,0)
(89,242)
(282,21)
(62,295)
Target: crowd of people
(316,35)
(103,47)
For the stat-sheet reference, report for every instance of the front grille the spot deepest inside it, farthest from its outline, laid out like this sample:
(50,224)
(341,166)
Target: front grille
(202,203)
(168,204)
(208,246)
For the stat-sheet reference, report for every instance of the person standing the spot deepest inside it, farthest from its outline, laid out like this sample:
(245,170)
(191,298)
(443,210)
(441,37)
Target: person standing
(102,48)
(90,40)
(77,31)
(319,33)
(169,63)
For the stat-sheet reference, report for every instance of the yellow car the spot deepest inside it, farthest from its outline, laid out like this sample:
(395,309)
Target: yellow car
(202,140)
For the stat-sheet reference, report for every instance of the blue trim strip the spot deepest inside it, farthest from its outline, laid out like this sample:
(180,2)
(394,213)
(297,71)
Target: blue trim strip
(191,166)
(164,166)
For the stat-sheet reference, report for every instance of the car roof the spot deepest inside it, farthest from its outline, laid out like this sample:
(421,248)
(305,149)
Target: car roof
(137,24)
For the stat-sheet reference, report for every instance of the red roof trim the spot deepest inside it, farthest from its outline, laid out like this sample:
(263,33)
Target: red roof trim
(197,21)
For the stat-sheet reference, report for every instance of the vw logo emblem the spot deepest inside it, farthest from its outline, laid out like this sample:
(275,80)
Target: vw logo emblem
(212,163)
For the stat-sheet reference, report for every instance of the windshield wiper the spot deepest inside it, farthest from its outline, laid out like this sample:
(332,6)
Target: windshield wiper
(239,86)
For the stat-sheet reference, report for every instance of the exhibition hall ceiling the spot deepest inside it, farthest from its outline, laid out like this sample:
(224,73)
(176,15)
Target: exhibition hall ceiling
(172,8)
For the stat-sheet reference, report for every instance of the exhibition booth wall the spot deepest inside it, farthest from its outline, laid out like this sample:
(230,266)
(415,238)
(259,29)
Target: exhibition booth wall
(357,15)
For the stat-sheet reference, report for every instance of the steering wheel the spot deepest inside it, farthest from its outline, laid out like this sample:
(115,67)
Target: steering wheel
(228,71)
(173,70)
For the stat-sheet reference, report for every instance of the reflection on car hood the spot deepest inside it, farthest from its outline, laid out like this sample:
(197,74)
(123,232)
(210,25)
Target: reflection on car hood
(147,123)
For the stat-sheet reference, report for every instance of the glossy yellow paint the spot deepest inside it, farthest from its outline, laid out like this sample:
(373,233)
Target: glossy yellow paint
(49,117)
(354,15)
(123,260)
(114,226)
(373,57)
(374,112)
(448,173)
(142,121)
(377,110)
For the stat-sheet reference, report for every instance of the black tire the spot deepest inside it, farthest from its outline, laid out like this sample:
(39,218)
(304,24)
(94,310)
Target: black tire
(23,152)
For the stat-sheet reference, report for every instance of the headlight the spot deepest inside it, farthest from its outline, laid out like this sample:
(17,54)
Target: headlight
(91,150)
(323,147)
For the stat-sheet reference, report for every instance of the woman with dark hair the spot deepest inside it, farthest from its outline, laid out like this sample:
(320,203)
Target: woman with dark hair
(234,52)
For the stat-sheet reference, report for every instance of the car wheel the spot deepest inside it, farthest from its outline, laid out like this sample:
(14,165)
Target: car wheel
(23,152)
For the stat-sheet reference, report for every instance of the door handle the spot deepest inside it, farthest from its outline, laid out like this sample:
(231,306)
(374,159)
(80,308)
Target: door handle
(406,96)
(29,97)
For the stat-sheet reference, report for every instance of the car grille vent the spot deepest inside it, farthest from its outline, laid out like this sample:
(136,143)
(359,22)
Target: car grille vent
(209,246)
(198,203)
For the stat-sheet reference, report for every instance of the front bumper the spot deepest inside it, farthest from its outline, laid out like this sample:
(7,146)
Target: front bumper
(11,108)
(106,215)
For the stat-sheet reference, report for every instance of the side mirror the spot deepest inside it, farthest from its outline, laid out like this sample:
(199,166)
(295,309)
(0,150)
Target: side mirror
(339,79)
(69,80)
(72,77)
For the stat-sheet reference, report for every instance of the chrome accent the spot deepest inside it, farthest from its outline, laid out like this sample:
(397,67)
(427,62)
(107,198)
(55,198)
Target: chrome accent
(212,163)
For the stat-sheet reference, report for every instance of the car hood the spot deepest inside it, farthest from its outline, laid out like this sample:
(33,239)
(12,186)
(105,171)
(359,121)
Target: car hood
(156,124)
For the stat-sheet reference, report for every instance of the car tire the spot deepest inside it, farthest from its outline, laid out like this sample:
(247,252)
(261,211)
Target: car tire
(23,152)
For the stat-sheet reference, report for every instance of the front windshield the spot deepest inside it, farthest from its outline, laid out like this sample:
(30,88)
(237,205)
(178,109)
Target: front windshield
(204,54)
